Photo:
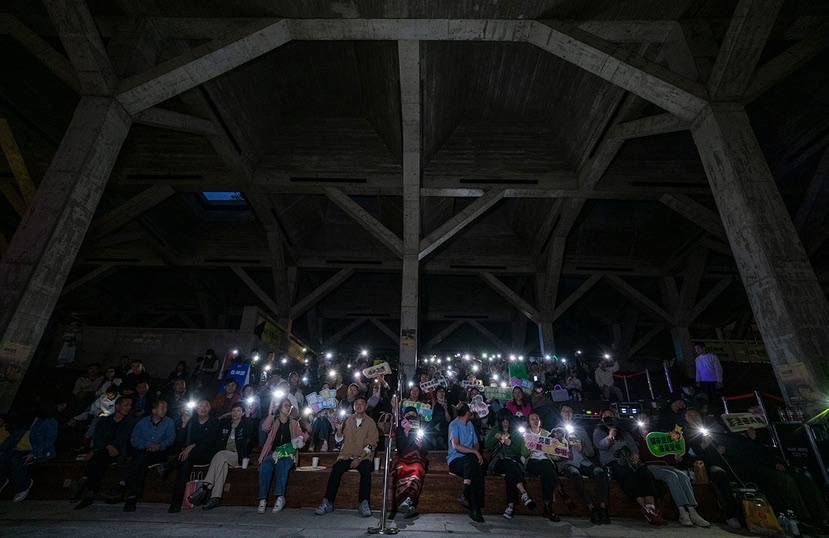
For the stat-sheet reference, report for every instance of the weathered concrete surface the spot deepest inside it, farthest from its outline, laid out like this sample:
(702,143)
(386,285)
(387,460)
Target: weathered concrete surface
(43,249)
(785,296)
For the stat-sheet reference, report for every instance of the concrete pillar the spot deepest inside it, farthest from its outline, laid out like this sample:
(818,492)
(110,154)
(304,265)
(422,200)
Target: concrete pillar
(684,350)
(43,250)
(789,306)
(545,337)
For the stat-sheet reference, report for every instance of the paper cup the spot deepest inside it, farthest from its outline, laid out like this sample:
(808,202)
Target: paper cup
(315,461)
(376,464)
(245,463)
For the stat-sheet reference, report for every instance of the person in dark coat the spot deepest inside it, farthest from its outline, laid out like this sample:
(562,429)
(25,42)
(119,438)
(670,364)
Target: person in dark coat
(196,441)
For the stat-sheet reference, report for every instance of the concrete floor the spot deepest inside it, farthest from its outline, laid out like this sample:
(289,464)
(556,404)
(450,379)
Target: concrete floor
(56,518)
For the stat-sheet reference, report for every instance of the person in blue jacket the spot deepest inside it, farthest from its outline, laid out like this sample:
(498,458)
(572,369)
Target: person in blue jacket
(151,440)
(24,446)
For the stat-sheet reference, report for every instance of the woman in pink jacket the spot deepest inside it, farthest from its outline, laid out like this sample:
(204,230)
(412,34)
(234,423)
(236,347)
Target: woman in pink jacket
(278,455)
(519,407)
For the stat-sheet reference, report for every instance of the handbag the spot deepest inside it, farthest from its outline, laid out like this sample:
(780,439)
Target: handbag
(758,514)
(195,491)
(559,394)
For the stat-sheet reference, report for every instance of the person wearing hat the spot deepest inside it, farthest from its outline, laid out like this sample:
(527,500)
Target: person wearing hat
(359,437)
(411,462)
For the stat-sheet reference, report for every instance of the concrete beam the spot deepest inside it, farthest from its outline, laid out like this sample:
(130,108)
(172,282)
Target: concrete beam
(201,64)
(38,47)
(458,222)
(695,212)
(256,289)
(95,274)
(709,298)
(176,121)
(644,340)
(320,292)
(16,163)
(648,126)
(83,44)
(740,51)
(571,299)
(129,210)
(787,300)
(638,298)
(46,242)
(489,335)
(366,220)
(442,335)
(512,298)
(342,333)
(394,337)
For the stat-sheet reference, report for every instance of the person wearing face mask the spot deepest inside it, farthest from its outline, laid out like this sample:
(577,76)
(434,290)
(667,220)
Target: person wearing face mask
(619,453)
(579,465)
(541,464)
(359,438)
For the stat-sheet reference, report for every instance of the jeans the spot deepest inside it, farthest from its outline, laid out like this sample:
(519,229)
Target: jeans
(281,469)
(138,470)
(599,474)
(547,472)
(469,468)
(636,482)
(679,484)
(513,475)
(12,467)
(337,472)
(320,431)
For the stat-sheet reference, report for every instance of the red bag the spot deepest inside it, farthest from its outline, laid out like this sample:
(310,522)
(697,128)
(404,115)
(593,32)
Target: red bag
(195,483)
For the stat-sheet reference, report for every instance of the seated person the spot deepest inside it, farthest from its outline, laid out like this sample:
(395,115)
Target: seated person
(103,406)
(359,437)
(135,375)
(86,385)
(506,449)
(519,407)
(466,461)
(232,447)
(111,443)
(177,399)
(25,445)
(278,456)
(151,440)
(441,417)
(541,464)
(579,465)
(786,489)
(704,443)
(321,430)
(411,462)
(142,400)
(222,403)
(665,469)
(619,453)
(196,443)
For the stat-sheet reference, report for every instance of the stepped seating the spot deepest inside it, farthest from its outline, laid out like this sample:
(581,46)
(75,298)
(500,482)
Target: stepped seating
(306,488)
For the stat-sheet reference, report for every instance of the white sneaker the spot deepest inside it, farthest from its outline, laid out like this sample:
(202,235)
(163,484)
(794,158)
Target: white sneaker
(697,519)
(684,518)
(364,509)
(279,505)
(325,507)
(23,494)
(263,504)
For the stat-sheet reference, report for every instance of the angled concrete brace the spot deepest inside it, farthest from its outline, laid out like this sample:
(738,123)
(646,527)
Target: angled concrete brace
(394,337)
(345,331)
(646,338)
(648,126)
(443,334)
(571,299)
(176,121)
(637,297)
(16,163)
(489,335)
(321,291)
(129,210)
(695,212)
(95,274)
(709,297)
(366,220)
(256,289)
(513,298)
(458,222)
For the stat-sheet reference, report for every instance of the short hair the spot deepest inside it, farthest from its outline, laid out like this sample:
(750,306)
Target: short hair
(462,409)
(112,389)
(122,399)
(229,381)
(568,406)
(700,344)
(237,404)
(360,396)
(159,402)
(94,365)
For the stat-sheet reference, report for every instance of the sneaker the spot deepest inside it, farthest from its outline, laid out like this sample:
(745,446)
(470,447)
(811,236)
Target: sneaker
(18,497)
(214,502)
(279,504)
(652,515)
(684,518)
(364,509)
(324,508)
(263,504)
(86,501)
(464,501)
(549,514)
(697,519)
(129,506)
(510,511)
(475,515)
(527,501)
(604,516)
(173,509)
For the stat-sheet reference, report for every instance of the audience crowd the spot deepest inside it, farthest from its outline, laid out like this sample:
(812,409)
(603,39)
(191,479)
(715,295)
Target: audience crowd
(196,425)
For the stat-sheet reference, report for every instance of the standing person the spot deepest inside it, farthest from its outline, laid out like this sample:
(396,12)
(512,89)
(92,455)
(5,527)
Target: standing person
(411,463)
(619,453)
(278,456)
(709,371)
(151,438)
(465,460)
(197,442)
(605,381)
(541,464)
(232,446)
(580,464)
(359,437)
(110,443)
(506,450)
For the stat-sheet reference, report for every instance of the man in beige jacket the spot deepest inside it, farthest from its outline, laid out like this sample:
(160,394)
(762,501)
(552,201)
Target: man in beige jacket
(359,440)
